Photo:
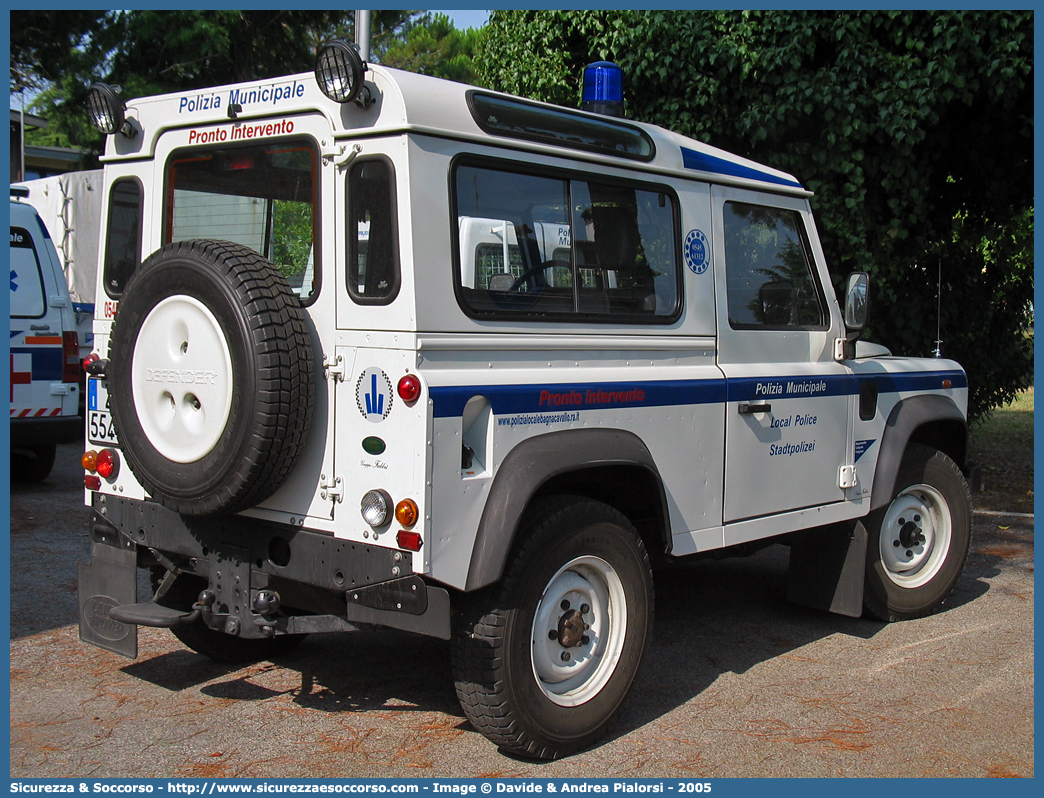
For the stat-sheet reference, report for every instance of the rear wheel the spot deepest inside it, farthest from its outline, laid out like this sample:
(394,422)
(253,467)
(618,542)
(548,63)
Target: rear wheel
(918,543)
(544,660)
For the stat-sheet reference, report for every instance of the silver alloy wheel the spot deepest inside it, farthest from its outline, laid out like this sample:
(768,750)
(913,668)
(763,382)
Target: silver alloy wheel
(915,536)
(579,629)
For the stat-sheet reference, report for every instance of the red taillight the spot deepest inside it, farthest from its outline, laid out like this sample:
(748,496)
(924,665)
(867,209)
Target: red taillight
(70,356)
(411,541)
(409,388)
(92,482)
(108,463)
(94,365)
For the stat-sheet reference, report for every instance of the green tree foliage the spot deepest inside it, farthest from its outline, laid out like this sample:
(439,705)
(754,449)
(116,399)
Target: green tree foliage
(914,130)
(152,52)
(434,47)
(49,49)
(41,41)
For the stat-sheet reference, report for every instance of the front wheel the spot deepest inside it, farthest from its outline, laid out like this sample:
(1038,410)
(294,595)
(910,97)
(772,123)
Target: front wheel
(918,543)
(36,467)
(544,660)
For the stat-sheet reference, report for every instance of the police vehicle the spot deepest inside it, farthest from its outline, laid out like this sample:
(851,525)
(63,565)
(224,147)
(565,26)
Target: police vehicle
(44,354)
(378,349)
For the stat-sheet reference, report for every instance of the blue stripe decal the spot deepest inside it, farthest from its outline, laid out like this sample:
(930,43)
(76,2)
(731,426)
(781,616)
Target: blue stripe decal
(711,163)
(47,361)
(449,402)
(920,381)
(746,388)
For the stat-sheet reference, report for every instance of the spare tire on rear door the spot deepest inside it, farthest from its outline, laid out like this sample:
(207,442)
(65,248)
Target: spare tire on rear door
(210,377)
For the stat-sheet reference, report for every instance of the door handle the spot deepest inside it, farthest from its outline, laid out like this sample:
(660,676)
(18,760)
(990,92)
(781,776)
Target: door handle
(746,408)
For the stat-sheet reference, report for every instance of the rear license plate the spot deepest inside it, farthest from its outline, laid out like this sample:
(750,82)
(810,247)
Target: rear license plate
(99,422)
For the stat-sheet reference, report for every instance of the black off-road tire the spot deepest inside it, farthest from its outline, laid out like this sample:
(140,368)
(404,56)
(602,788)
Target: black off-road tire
(917,545)
(35,467)
(578,563)
(212,644)
(210,340)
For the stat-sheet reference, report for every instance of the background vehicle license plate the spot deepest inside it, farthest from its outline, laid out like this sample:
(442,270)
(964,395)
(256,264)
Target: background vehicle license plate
(99,422)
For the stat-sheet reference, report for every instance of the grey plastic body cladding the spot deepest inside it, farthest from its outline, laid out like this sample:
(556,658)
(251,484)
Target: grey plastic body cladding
(906,418)
(531,465)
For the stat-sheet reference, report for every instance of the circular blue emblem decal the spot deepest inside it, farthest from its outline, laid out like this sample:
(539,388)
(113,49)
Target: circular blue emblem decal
(697,251)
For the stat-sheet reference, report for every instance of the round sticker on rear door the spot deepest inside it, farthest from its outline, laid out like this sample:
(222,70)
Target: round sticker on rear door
(373,395)
(697,251)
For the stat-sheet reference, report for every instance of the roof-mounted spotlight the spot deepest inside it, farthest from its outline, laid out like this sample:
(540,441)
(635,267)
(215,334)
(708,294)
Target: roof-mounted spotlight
(339,71)
(603,89)
(107,112)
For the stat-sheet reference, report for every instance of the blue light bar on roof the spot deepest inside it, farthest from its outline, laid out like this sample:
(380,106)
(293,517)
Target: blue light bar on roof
(603,89)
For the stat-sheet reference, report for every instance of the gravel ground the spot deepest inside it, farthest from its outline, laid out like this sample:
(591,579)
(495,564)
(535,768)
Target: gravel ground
(738,683)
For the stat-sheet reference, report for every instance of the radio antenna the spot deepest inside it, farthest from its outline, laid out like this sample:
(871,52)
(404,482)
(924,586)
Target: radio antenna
(937,352)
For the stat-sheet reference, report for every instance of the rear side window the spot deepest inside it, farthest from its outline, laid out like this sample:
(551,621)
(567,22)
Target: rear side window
(769,272)
(28,299)
(123,237)
(261,196)
(373,251)
(540,245)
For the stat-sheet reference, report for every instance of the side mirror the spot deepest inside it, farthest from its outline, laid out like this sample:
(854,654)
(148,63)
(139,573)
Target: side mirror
(857,300)
(502,281)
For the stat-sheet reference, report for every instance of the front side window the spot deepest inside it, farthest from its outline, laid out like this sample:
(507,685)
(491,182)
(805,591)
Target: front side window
(537,245)
(123,236)
(27,288)
(768,270)
(262,196)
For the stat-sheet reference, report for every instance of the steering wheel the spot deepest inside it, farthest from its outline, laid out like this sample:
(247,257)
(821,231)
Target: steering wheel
(532,270)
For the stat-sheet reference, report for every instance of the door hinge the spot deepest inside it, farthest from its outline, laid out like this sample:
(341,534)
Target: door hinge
(847,477)
(331,489)
(839,349)
(335,370)
(346,156)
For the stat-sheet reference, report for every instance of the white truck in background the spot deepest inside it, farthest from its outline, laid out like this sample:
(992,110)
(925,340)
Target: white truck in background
(71,207)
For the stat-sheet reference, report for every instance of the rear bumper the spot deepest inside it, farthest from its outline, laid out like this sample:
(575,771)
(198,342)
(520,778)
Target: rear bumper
(335,584)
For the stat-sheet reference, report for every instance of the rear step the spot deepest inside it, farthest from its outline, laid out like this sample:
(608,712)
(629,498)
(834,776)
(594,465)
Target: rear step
(152,614)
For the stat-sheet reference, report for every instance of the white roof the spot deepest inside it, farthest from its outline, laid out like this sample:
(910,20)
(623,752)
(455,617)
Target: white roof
(410,103)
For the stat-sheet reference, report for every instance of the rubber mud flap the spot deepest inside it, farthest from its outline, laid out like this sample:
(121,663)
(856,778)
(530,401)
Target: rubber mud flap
(108,580)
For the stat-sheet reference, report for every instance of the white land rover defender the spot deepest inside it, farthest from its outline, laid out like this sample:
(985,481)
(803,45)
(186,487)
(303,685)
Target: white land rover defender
(378,349)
